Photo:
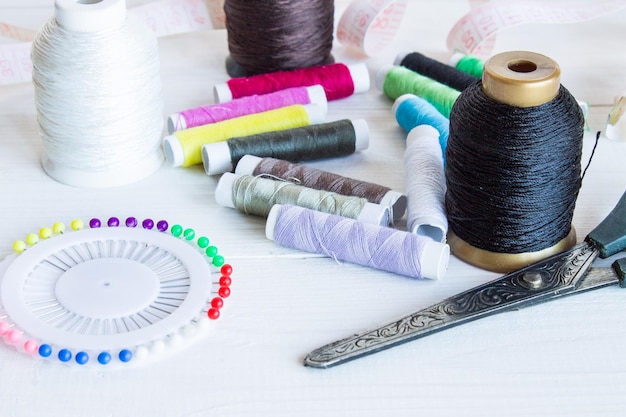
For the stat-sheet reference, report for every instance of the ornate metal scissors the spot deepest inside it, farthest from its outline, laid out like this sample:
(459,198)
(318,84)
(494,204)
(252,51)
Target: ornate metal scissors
(567,273)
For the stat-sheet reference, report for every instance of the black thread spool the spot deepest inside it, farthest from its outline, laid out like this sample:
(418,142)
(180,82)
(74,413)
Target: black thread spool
(513,164)
(282,35)
(438,71)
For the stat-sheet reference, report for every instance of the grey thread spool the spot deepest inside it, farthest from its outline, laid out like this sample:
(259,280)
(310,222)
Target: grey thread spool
(306,143)
(323,180)
(257,195)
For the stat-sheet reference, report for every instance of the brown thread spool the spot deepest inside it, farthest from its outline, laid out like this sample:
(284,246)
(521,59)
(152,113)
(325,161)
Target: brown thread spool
(281,35)
(519,79)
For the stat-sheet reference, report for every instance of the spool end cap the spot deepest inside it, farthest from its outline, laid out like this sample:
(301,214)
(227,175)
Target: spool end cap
(224,190)
(362,134)
(222,93)
(360,77)
(89,16)
(174,153)
(434,259)
(521,78)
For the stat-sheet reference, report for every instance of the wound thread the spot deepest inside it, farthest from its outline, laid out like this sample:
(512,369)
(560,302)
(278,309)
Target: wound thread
(469,64)
(256,196)
(243,106)
(438,71)
(280,35)
(184,147)
(397,81)
(327,181)
(425,184)
(364,244)
(314,142)
(102,133)
(412,111)
(338,80)
(513,173)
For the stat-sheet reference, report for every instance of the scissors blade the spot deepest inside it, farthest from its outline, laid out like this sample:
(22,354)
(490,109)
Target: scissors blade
(597,278)
(544,280)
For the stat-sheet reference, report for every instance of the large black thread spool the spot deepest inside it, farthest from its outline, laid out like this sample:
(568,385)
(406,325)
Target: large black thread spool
(283,35)
(513,164)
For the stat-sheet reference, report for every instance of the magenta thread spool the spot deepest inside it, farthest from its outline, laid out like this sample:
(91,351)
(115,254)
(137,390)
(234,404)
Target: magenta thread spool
(338,80)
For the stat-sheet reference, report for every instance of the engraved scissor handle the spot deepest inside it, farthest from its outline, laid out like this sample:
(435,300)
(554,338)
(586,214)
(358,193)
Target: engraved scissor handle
(566,273)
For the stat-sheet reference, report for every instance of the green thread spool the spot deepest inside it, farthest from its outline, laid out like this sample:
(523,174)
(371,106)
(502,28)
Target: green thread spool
(467,63)
(395,81)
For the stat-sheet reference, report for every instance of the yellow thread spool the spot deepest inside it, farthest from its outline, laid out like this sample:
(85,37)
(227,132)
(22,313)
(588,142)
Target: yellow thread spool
(184,148)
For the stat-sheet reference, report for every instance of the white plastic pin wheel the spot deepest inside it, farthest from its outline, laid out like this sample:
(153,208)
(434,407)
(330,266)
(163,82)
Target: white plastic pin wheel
(109,293)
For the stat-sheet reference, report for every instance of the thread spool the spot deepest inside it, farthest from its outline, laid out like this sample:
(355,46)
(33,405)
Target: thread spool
(97,94)
(257,195)
(395,81)
(519,158)
(274,36)
(184,148)
(467,63)
(425,184)
(436,70)
(324,140)
(246,105)
(324,180)
(412,111)
(364,244)
(338,80)
(426,99)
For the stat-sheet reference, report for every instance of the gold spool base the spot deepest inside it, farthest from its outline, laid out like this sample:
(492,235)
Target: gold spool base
(505,262)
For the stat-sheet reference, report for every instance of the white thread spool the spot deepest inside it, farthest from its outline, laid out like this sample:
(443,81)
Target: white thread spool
(98,95)
(425,183)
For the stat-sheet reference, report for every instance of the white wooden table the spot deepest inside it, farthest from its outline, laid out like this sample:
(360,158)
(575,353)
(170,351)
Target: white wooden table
(560,358)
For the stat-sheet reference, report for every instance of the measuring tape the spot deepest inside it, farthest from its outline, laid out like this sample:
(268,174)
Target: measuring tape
(169,17)
(166,17)
(473,33)
(369,26)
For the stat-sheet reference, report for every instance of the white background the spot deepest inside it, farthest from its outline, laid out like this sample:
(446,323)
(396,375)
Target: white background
(560,358)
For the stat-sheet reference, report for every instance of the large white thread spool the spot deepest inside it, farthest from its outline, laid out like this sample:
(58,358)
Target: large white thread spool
(98,95)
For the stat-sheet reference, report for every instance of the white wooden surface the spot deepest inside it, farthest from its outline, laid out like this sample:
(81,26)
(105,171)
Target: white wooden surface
(561,358)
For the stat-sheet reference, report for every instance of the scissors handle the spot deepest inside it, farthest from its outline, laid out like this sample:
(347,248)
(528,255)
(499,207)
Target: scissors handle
(609,237)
